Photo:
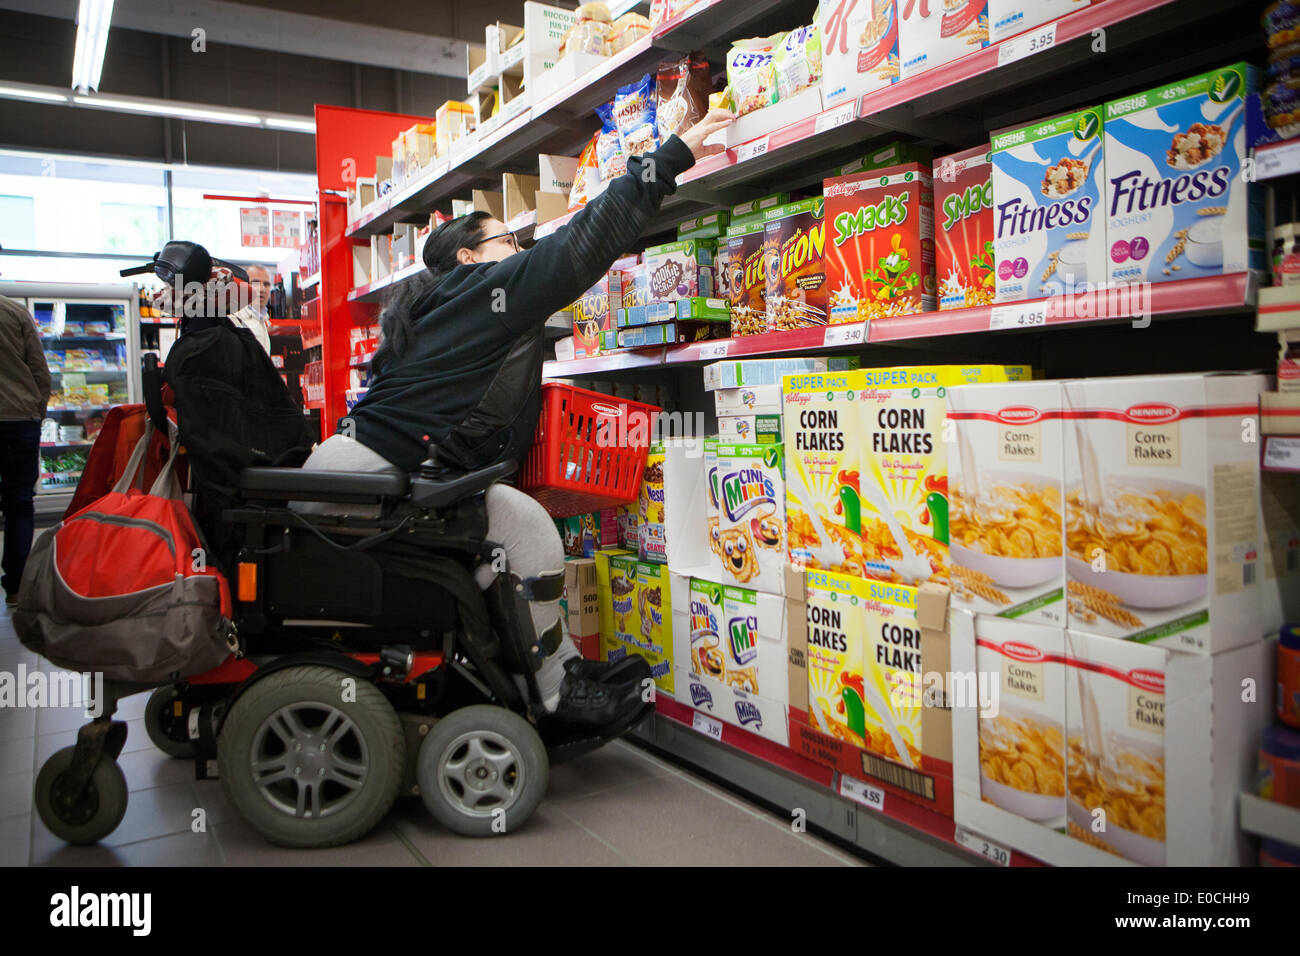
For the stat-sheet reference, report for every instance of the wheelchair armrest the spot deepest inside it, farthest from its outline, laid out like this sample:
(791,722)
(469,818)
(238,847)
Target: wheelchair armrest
(298,484)
(431,493)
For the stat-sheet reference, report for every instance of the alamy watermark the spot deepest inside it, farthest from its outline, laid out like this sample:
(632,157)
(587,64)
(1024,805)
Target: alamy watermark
(44,690)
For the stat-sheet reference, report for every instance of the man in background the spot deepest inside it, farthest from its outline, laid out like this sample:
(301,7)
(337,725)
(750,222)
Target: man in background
(24,393)
(254,315)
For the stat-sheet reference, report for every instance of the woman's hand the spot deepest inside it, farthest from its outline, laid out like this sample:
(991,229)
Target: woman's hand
(714,120)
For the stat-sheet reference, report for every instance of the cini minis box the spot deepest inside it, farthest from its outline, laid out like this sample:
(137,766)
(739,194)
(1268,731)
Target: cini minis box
(1006,503)
(746,279)
(1009,17)
(794,243)
(750,541)
(933,32)
(1048,185)
(859,47)
(880,243)
(1177,204)
(823,430)
(963,229)
(1161,509)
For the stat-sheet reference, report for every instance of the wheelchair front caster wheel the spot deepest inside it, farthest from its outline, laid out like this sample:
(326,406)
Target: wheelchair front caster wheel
(482,771)
(167,731)
(83,818)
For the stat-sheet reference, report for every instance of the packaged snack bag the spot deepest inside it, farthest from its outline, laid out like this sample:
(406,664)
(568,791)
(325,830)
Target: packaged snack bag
(751,74)
(634,114)
(681,94)
(609,146)
(798,61)
(587,166)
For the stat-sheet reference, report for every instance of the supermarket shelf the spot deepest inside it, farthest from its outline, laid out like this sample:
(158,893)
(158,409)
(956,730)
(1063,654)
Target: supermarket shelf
(1277,159)
(311,280)
(374,291)
(902,832)
(1281,454)
(66,444)
(614,361)
(111,337)
(1270,819)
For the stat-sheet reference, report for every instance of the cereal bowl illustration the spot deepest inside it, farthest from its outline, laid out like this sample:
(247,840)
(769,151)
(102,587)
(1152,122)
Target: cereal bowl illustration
(1012,533)
(1127,782)
(1022,763)
(1197,145)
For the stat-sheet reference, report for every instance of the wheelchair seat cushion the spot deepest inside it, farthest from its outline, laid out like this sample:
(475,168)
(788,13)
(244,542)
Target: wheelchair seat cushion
(298,484)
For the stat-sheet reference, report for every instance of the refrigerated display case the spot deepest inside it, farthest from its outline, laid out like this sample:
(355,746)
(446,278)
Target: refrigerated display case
(90,335)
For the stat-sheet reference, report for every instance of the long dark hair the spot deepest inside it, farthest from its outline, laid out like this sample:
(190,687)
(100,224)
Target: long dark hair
(397,318)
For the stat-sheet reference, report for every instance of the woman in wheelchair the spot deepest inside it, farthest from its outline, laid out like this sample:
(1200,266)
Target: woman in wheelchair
(457,379)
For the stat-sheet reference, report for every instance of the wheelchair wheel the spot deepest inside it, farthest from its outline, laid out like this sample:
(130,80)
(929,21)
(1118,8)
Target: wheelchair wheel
(167,731)
(306,766)
(91,817)
(482,771)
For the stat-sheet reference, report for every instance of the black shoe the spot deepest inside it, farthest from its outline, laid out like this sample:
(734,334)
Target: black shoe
(11,600)
(631,668)
(592,707)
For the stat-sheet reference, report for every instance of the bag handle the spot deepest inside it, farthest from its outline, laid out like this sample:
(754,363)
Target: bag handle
(134,463)
(166,484)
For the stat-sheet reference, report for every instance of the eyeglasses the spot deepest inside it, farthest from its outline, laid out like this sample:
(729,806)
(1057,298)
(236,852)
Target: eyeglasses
(514,242)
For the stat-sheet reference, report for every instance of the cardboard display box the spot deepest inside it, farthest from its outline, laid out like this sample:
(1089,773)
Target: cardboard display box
(582,605)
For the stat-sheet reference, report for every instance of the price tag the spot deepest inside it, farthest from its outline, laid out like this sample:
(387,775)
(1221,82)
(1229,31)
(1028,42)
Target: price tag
(862,792)
(1280,160)
(707,726)
(1282,453)
(985,848)
(1021,315)
(837,117)
(714,350)
(845,334)
(1027,44)
(747,151)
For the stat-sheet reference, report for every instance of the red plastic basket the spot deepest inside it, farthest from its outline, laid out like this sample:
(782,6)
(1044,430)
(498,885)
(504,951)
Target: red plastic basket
(589,451)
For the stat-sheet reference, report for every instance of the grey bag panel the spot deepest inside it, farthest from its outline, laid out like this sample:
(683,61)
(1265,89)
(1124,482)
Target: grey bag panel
(150,636)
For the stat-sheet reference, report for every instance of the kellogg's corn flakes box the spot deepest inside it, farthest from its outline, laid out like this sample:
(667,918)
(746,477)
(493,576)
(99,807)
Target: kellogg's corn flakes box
(880,243)
(823,433)
(750,541)
(963,206)
(1161,509)
(836,656)
(1006,503)
(892,673)
(1177,205)
(1048,185)
(1022,718)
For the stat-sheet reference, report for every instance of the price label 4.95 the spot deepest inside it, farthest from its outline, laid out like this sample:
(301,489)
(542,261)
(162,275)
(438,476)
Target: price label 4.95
(862,792)
(1021,315)
(707,725)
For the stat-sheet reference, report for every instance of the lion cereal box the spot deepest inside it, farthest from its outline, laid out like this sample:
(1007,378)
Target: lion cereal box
(963,228)
(880,243)
(746,278)
(1177,204)
(1161,502)
(823,450)
(1022,728)
(933,32)
(1050,230)
(859,47)
(593,316)
(1006,504)
(750,541)
(836,656)
(892,674)
(794,241)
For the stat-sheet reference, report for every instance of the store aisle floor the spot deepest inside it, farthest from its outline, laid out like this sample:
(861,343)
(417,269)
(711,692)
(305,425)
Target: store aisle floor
(617,807)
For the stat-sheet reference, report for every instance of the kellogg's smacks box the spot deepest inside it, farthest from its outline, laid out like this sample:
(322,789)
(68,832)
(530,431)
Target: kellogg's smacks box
(1050,230)
(1178,207)
(963,228)
(880,243)
(823,434)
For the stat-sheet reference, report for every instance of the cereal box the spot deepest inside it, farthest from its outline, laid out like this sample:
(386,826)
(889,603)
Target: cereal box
(794,243)
(932,32)
(713,530)
(625,623)
(1177,205)
(708,226)
(746,373)
(1006,505)
(650,508)
(626,515)
(893,154)
(859,47)
(836,656)
(746,278)
(1279,550)
(593,315)
(963,228)
(892,673)
(636,287)
(880,243)
(902,498)
(678,270)
(750,429)
(1009,17)
(1161,502)
(708,655)
(652,635)
(823,449)
(751,516)
(750,208)
(751,400)
(1022,718)
(1050,232)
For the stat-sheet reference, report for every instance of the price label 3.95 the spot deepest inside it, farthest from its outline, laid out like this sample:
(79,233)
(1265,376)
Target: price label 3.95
(707,725)
(1027,44)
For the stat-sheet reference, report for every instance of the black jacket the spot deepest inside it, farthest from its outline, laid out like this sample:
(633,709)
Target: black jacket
(469,380)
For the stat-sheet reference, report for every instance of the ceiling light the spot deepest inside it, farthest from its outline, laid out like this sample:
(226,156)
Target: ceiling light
(93,18)
(159,108)
(303,126)
(18,93)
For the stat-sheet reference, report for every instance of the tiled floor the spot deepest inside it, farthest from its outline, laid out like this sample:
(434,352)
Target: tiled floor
(618,807)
